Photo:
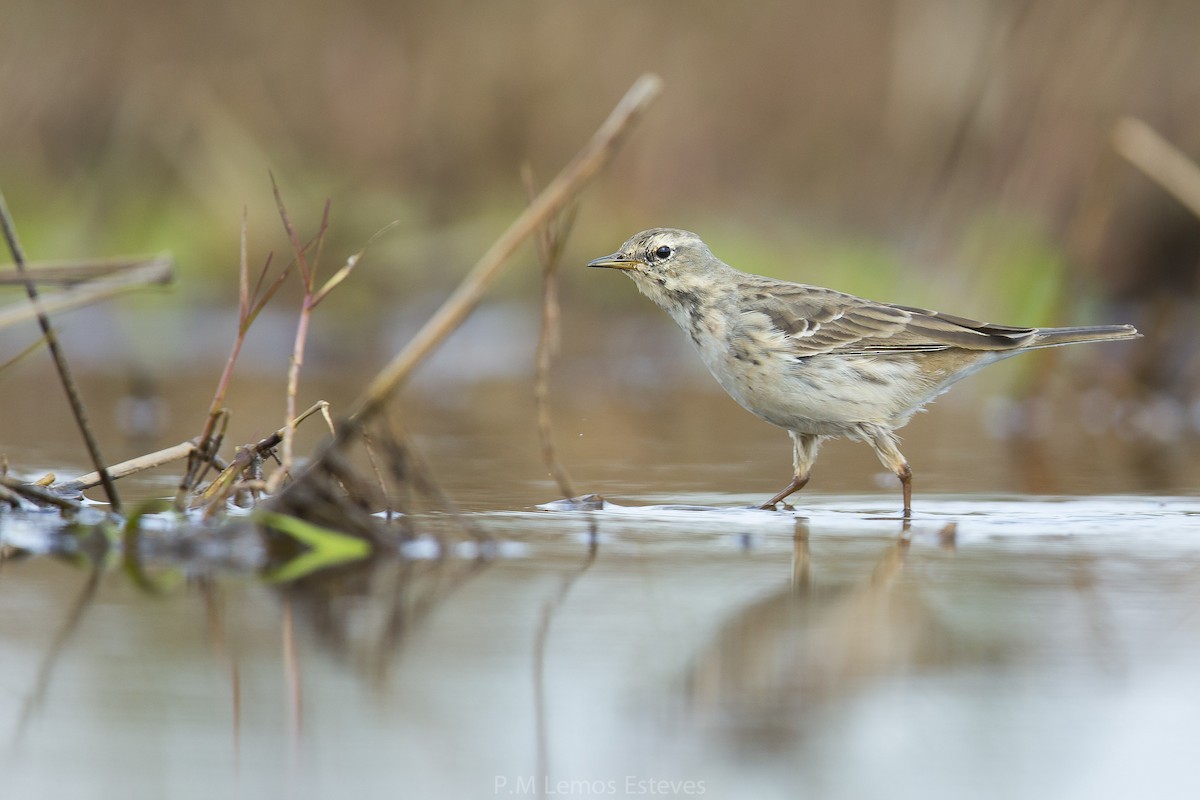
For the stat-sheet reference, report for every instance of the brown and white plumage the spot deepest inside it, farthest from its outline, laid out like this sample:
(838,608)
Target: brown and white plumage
(818,362)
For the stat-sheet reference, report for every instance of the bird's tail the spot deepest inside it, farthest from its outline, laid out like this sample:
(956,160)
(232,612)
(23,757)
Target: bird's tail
(1053,337)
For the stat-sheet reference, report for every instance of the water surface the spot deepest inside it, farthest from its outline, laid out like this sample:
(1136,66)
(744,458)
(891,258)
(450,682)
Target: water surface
(1002,646)
(1033,632)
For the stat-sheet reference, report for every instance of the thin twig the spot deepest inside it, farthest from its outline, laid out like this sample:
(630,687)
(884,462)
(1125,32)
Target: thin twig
(373,460)
(312,298)
(249,306)
(406,462)
(551,240)
(24,354)
(308,279)
(552,200)
(209,458)
(60,359)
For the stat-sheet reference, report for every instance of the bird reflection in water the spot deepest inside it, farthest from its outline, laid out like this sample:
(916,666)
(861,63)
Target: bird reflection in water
(775,663)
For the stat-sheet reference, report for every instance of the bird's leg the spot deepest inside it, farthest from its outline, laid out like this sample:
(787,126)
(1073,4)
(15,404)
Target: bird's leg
(796,485)
(804,453)
(883,442)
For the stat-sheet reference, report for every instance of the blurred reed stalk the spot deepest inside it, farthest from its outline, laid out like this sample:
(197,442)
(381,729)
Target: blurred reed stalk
(84,283)
(560,192)
(1161,161)
(321,492)
(154,271)
(60,360)
(551,239)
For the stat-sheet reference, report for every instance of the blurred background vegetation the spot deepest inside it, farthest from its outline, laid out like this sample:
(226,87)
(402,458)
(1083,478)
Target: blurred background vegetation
(929,152)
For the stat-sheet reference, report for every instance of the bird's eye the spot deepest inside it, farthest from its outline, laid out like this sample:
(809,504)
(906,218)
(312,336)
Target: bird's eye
(664,252)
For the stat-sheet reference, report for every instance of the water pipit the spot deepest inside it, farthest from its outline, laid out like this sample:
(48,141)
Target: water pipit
(817,362)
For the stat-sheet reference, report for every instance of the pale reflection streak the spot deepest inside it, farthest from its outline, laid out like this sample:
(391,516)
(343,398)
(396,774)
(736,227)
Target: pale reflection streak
(45,670)
(549,609)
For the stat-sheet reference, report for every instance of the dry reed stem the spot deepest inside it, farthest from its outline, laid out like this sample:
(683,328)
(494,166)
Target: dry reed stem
(552,200)
(204,456)
(39,495)
(59,358)
(1161,161)
(12,499)
(73,273)
(130,467)
(308,279)
(158,271)
(312,298)
(250,304)
(551,240)
(226,482)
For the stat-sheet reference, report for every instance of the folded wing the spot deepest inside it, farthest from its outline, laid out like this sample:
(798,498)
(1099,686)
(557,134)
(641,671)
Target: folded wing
(822,321)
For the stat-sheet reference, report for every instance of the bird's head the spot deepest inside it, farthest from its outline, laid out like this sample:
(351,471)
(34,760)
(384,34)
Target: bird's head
(670,266)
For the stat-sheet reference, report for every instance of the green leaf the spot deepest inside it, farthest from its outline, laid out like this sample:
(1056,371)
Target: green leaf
(327,548)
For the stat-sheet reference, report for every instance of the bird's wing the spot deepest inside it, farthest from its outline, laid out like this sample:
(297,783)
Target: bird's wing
(817,321)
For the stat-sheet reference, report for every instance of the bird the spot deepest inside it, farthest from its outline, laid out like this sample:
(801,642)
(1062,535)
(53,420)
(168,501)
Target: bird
(816,362)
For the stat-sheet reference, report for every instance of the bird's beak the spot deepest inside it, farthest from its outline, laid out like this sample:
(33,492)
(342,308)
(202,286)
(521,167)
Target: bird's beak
(615,261)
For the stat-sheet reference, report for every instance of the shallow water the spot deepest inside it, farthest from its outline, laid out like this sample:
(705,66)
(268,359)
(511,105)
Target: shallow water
(1003,646)
(1033,632)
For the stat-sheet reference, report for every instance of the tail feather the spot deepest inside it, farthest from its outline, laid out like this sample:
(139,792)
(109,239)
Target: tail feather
(1053,337)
